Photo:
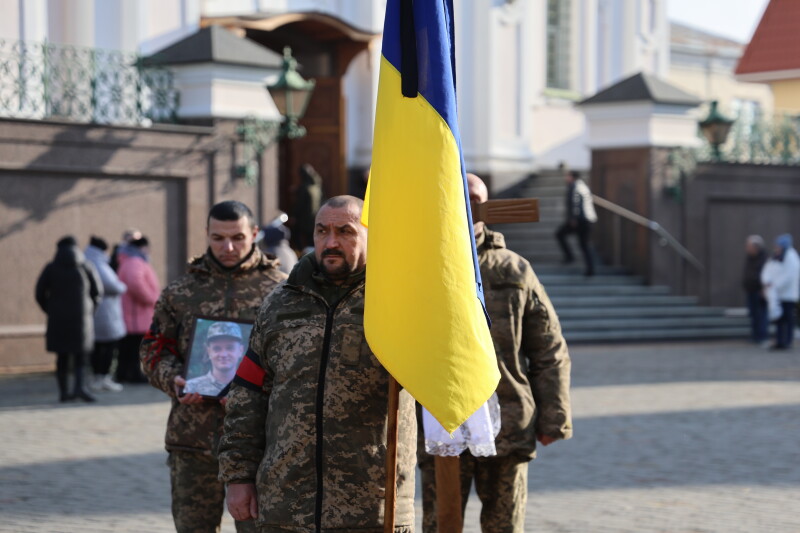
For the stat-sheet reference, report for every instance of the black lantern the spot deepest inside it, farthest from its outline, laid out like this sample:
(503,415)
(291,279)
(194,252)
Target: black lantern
(715,128)
(291,94)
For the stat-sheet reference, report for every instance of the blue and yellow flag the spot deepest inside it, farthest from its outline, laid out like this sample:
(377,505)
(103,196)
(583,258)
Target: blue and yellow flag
(424,315)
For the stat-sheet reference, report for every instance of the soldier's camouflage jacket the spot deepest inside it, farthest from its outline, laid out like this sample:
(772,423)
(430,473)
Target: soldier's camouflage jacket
(207,289)
(307,413)
(531,352)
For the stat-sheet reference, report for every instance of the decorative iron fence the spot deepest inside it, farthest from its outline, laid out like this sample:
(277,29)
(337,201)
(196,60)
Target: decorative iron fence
(46,81)
(766,140)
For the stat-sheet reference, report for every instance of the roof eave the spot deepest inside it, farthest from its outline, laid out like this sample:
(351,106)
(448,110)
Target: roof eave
(768,76)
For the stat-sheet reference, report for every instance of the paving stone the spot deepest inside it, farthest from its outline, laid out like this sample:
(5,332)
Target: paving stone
(696,437)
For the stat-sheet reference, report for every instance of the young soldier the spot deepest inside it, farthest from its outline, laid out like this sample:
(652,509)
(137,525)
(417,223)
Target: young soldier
(229,281)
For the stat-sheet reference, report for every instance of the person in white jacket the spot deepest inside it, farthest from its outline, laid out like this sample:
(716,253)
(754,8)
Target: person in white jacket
(781,280)
(109,326)
(580,215)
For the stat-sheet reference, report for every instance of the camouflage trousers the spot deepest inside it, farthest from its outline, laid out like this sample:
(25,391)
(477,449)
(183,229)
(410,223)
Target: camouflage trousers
(198,497)
(501,484)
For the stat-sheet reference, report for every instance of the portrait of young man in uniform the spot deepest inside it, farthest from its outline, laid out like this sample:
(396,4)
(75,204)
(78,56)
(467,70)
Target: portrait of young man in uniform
(222,350)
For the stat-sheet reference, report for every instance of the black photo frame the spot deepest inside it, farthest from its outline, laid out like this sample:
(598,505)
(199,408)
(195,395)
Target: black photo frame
(216,348)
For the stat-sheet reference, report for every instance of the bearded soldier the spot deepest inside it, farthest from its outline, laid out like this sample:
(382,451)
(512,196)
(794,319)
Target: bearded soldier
(304,447)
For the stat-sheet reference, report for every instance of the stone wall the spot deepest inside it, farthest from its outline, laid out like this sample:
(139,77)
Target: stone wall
(58,179)
(711,212)
(724,204)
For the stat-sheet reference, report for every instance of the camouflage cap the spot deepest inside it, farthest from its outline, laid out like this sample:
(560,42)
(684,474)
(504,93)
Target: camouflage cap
(224,329)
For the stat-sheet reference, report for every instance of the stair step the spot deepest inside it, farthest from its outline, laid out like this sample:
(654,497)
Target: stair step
(592,324)
(526,230)
(569,291)
(576,269)
(536,233)
(548,250)
(544,190)
(600,303)
(552,280)
(632,335)
(546,180)
(542,256)
(612,306)
(572,313)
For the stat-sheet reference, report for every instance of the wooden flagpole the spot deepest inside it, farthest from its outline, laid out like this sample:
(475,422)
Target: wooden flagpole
(448,494)
(390,505)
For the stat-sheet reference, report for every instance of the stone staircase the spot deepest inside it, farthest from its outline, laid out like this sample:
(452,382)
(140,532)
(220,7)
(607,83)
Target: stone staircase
(613,305)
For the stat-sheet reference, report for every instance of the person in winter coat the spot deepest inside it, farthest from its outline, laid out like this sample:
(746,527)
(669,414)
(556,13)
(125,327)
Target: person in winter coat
(304,443)
(755,258)
(580,217)
(274,240)
(533,392)
(138,304)
(68,291)
(109,327)
(122,248)
(308,199)
(781,279)
(229,281)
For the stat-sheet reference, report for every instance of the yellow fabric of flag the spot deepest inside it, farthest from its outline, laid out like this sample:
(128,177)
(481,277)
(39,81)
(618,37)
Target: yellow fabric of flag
(424,319)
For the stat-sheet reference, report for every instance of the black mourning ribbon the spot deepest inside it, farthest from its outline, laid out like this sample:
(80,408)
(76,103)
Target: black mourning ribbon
(408,50)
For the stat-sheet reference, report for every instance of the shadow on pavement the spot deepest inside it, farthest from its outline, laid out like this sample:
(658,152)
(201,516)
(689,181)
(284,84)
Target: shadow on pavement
(40,391)
(603,365)
(97,486)
(734,447)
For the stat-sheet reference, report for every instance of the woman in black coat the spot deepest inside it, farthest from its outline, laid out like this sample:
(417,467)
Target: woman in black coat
(68,291)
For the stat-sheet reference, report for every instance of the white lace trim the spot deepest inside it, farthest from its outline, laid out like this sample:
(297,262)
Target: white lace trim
(476,434)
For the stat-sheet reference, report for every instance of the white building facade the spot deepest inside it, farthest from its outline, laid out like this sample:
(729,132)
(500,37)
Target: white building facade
(521,64)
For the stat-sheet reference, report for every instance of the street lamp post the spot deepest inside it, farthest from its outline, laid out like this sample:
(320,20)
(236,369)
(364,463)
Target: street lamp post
(715,128)
(291,94)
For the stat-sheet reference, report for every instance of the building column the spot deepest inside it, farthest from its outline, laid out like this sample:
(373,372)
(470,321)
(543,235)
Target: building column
(71,22)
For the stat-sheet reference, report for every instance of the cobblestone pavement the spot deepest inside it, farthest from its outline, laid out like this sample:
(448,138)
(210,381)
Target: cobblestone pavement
(668,438)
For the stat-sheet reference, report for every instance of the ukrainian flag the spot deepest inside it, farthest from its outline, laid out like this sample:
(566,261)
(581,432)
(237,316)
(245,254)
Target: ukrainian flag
(424,313)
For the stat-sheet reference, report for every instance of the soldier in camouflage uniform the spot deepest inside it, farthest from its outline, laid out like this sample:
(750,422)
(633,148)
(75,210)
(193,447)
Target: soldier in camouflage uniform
(229,281)
(304,446)
(533,390)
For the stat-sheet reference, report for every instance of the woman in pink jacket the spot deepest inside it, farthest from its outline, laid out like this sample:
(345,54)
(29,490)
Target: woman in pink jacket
(137,307)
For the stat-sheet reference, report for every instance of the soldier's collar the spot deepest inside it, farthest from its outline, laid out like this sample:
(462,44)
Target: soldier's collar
(490,239)
(352,279)
(307,272)
(245,262)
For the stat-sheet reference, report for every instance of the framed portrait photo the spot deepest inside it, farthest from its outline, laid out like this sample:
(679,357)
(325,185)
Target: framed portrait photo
(216,348)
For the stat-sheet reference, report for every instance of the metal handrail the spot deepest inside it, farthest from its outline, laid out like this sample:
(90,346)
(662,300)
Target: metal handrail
(652,226)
